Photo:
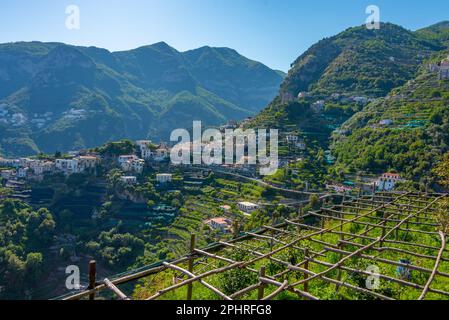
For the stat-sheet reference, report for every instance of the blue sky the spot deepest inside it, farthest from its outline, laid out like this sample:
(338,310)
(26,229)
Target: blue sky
(274,32)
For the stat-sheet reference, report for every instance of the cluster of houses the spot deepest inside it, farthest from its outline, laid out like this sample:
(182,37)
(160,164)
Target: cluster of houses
(11,118)
(318,106)
(224,224)
(149,152)
(131,163)
(441,68)
(35,169)
(385,182)
(294,139)
(79,162)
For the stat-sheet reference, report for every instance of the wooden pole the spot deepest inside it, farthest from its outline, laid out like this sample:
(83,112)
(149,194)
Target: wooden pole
(306,266)
(92,278)
(384,223)
(340,246)
(116,290)
(260,291)
(190,268)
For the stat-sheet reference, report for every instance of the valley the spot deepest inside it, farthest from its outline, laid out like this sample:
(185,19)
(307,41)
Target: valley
(363,155)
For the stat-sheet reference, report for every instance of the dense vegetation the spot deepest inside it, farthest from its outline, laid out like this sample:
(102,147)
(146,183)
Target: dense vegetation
(25,237)
(388,67)
(414,141)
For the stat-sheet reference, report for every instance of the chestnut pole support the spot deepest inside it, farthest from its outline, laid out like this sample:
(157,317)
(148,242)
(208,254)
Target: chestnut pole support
(190,264)
(92,278)
(384,224)
(261,289)
(306,267)
(340,246)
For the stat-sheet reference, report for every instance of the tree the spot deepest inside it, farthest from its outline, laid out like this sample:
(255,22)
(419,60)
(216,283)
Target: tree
(443,215)
(15,272)
(41,225)
(33,265)
(442,170)
(238,278)
(314,201)
(150,204)
(236,228)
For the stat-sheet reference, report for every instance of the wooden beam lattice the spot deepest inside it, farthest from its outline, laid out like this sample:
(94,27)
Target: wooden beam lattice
(382,229)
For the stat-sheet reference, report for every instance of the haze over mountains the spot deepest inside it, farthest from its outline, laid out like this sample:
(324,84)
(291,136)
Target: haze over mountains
(57,97)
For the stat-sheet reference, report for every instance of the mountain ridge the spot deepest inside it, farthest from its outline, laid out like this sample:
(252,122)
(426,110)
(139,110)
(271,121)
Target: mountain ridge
(130,92)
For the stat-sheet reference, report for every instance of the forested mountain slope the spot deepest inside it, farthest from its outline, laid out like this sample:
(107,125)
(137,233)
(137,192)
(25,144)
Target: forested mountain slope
(59,97)
(408,131)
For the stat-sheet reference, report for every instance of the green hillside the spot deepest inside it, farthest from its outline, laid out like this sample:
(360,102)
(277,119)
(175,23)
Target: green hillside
(416,136)
(359,78)
(356,62)
(62,97)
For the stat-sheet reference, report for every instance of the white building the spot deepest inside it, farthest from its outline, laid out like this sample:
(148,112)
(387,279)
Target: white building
(67,166)
(386,122)
(138,165)
(161,154)
(164,177)
(221,224)
(302,95)
(87,162)
(291,138)
(131,163)
(127,158)
(146,153)
(22,173)
(40,167)
(387,181)
(142,144)
(9,162)
(301,145)
(145,149)
(444,69)
(129,180)
(247,207)
(7,174)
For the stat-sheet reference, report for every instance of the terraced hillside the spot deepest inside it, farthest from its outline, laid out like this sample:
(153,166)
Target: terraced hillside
(408,131)
(356,62)
(387,247)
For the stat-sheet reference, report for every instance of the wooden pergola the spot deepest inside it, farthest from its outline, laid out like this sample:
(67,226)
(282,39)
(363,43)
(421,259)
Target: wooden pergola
(384,230)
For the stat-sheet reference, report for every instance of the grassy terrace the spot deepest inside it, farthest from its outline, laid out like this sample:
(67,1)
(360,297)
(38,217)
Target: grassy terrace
(333,253)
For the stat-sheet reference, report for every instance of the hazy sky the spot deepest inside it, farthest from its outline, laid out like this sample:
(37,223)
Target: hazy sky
(274,32)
